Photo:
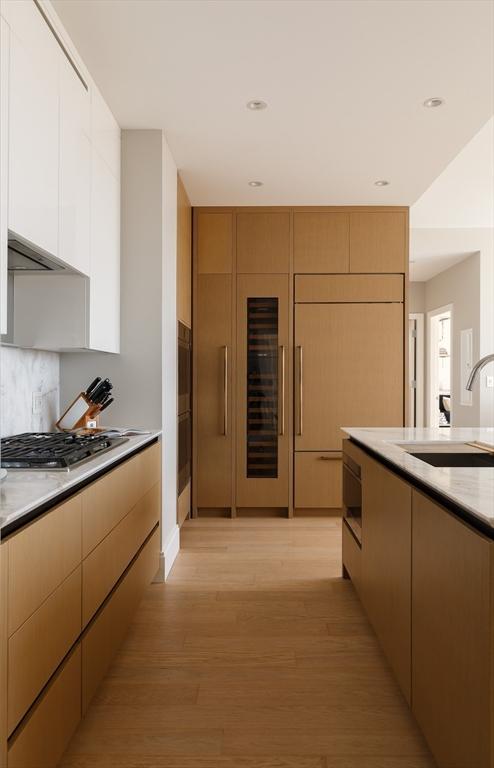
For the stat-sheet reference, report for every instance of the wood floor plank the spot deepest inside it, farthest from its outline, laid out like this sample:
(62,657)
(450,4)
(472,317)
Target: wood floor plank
(254,654)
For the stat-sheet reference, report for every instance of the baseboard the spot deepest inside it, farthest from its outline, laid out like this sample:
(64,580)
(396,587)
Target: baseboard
(168,555)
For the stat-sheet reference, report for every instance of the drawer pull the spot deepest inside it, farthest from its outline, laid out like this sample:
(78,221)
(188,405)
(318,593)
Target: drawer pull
(331,457)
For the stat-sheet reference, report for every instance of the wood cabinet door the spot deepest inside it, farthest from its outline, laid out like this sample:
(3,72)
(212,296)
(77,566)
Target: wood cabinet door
(213,389)
(348,371)
(321,242)
(378,241)
(263,242)
(451,636)
(262,454)
(386,564)
(214,235)
(184,255)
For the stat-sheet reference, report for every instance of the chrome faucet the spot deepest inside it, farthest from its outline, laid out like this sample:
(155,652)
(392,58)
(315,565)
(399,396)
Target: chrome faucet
(476,370)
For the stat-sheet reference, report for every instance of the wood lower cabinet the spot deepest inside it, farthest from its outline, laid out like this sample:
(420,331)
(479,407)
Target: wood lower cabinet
(348,370)
(262,437)
(318,480)
(452,637)
(104,635)
(50,588)
(213,379)
(386,564)
(44,737)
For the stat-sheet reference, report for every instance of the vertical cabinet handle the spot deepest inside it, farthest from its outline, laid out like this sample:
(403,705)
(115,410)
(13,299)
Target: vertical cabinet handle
(281,389)
(300,426)
(225,391)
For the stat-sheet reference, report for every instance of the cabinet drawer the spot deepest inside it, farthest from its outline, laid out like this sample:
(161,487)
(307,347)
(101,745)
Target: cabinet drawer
(343,289)
(106,502)
(352,557)
(31,662)
(318,479)
(41,557)
(104,566)
(43,738)
(105,634)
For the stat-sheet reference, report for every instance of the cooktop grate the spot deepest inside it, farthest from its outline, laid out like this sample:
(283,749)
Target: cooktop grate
(52,450)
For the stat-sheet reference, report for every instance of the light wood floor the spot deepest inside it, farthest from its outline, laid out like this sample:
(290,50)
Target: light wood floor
(255,654)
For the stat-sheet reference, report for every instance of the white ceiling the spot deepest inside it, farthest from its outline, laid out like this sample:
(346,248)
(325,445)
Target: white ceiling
(434,250)
(344,79)
(463,194)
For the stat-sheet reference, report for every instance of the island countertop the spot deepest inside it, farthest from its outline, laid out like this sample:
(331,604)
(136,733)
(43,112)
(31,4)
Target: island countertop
(470,488)
(24,493)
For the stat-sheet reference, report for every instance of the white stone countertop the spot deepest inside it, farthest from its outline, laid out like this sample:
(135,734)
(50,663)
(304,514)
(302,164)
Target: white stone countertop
(23,491)
(471,488)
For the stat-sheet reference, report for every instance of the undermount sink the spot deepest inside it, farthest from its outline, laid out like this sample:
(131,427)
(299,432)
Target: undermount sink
(449,454)
(454,459)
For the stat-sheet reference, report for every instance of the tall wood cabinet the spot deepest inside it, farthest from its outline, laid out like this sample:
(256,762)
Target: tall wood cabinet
(299,330)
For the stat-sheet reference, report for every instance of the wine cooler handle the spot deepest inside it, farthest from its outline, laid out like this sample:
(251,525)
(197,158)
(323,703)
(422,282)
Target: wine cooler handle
(281,389)
(300,426)
(225,391)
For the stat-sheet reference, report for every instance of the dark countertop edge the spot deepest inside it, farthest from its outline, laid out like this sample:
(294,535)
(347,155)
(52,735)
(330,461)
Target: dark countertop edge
(456,509)
(14,526)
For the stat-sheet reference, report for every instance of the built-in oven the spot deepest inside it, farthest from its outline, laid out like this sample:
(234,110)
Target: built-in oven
(184,367)
(184,450)
(352,497)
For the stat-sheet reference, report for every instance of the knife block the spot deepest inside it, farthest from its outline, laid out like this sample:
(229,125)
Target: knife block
(81,411)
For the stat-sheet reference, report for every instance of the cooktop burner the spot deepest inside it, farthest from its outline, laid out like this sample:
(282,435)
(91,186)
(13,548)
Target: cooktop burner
(53,450)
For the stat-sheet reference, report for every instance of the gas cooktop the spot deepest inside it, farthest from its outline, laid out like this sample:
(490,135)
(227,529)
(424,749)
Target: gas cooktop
(53,450)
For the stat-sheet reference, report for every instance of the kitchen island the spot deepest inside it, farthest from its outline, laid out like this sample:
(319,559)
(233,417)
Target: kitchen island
(418,544)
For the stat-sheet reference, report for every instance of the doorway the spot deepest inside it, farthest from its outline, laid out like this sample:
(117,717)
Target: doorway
(416,370)
(440,323)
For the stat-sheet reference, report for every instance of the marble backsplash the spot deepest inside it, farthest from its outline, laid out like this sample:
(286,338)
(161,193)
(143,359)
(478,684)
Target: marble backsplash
(23,372)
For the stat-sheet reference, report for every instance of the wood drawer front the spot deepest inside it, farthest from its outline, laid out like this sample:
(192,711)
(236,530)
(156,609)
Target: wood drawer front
(40,644)
(343,289)
(352,557)
(378,241)
(43,738)
(103,637)
(263,243)
(318,479)
(321,242)
(111,498)
(40,557)
(104,566)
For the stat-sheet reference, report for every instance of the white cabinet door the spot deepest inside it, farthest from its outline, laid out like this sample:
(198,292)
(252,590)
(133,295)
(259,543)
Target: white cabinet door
(34,129)
(105,132)
(4,148)
(104,291)
(75,170)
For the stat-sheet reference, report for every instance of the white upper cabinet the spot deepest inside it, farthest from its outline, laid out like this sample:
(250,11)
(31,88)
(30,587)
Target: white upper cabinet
(4,150)
(59,186)
(104,291)
(75,169)
(33,128)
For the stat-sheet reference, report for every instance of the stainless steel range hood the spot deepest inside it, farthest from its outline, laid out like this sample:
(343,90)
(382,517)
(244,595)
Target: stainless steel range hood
(25,259)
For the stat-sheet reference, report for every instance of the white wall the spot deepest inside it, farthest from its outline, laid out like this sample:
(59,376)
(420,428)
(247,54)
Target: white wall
(22,373)
(416,297)
(460,286)
(144,374)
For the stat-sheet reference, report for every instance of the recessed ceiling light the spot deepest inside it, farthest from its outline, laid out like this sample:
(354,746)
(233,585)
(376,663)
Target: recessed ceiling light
(256,104)
(381,183)
(434,101)
(256,183)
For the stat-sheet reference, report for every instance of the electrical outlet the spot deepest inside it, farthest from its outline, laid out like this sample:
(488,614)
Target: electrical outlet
(489,382)
(37,403)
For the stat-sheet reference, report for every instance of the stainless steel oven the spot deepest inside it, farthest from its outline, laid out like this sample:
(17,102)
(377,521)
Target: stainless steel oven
(184,367)
(352,497)
(184,450)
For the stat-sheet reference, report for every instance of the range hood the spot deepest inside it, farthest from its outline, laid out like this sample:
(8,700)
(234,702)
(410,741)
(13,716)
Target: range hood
(24,259)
